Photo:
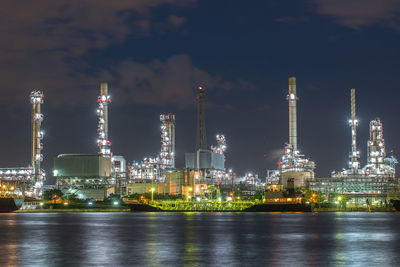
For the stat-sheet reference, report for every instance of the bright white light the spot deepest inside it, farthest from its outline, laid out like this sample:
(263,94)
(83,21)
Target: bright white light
(115,203)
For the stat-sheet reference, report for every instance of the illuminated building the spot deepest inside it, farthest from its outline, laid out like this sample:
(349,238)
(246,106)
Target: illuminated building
(293,164)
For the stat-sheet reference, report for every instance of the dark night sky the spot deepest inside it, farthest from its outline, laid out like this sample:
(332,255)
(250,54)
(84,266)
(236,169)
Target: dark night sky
(154,52)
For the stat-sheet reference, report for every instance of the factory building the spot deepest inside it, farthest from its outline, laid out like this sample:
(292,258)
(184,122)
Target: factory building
(204,159)
(177,182)
(85,175)
(119,174)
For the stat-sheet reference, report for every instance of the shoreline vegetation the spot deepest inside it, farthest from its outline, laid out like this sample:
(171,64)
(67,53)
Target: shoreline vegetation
(70,210)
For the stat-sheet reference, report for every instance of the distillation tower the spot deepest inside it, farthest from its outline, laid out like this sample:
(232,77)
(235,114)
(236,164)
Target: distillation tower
(167,154)
(36,98)
(103,101)
(377,162)
(220,148)
(293,165)
(220,175)
(354,164)
(376,152)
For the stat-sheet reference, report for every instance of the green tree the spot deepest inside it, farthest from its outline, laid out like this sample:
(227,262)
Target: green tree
(52,194)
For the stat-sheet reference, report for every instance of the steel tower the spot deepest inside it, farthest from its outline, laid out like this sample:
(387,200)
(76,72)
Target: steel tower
(102,112)
(36,98)
(202,143)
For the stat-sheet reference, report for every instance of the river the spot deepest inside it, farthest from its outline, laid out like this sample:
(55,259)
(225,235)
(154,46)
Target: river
(200,239)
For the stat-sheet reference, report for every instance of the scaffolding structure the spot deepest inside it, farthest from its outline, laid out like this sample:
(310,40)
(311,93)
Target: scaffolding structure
(145,171)
(221,176)
(103,101)
(167,154)
(360,186)
(152,169)
(293,161)
(377,162)
(220,148)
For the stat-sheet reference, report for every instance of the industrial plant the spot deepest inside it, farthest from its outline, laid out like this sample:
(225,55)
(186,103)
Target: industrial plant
(28,181)
(204,181)
(375,181)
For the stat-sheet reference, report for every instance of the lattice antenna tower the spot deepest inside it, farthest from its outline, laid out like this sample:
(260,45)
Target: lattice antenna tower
(202,143)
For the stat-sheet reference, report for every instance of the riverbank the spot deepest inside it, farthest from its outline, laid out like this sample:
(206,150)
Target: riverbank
(364,209)
(70,210)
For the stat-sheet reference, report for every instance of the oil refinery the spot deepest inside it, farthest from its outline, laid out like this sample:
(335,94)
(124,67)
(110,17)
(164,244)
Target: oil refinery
(204,182)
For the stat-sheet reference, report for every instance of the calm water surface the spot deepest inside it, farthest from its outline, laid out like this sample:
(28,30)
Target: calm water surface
(200,239)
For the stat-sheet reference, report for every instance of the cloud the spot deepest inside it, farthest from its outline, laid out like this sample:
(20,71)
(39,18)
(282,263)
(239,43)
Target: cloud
(176,21)
(169,82)
(74,25)
(43,42)
(360,13)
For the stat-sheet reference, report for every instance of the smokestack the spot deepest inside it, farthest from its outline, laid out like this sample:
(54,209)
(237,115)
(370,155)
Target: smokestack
(202,144)
(104,92)
(292,98)
(37,135)
(102,112)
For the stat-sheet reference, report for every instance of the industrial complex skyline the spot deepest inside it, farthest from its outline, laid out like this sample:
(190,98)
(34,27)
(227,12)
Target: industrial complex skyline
(153,57)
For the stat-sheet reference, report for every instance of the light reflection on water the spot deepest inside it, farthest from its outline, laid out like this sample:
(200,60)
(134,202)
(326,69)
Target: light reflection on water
(193,239)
